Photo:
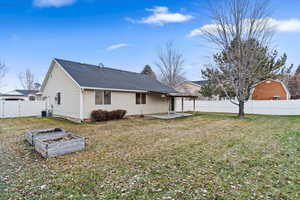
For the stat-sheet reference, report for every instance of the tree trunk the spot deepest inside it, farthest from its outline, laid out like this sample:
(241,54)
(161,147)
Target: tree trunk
(241,109)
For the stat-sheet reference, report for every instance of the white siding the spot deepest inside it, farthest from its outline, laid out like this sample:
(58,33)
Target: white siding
(59,81)
(126,101)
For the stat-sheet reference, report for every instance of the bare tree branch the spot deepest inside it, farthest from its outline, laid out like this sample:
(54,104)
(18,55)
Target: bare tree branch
(27,80)
(170,63)
(3,71)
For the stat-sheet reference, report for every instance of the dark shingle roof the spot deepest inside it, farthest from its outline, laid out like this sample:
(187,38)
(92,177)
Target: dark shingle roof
(23,93)
(201,83)
(93,76)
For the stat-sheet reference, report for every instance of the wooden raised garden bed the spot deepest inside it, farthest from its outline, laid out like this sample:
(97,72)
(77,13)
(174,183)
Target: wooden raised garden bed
(50,133)
(59,145)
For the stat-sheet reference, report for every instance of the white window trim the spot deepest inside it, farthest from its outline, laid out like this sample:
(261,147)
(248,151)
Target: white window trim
(102,96)
(141,98)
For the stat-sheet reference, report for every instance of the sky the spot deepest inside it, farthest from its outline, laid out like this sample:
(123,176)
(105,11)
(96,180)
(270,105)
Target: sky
(123,34)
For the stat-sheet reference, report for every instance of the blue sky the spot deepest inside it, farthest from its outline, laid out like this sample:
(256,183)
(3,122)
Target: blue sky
(123,34)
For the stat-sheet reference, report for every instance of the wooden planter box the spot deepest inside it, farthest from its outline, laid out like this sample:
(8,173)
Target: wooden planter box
(59,146)
(50,133)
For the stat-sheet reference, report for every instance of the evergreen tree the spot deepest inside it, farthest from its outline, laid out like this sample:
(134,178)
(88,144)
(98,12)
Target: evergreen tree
(148,71)
(297,70)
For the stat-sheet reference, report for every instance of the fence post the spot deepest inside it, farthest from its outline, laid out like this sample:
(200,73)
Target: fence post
(1,109)
(19,108)
(181,104)
(2,104)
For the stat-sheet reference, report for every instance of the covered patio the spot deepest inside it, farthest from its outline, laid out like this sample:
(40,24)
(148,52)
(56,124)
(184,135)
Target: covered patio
(180,96)
(172,113)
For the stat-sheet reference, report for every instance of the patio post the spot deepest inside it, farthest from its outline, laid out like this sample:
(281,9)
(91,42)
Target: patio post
(169,100)
(182,104)
(194,99)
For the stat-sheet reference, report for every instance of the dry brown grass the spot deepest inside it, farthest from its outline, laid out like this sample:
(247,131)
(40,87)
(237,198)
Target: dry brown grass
(204,156)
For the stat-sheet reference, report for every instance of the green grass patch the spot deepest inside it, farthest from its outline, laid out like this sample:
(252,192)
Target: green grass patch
(205,156)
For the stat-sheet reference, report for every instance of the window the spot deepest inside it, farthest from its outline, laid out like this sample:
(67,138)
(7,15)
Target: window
(107,97)
(98,97)
(143,98)
(58,98)
(140,98)
(102,97)
(31,98)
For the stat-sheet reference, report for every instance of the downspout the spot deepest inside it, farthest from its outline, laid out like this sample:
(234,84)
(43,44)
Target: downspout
(81,105)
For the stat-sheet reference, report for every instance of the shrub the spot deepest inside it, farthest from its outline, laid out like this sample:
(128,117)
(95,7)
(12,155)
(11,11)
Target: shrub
(99,115)
(95,115)
(103,115)
(112,115)
(122,113)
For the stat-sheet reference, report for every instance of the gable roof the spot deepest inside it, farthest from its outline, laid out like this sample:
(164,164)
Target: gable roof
(196,83)
(278,81)
(201,83)
(92,76)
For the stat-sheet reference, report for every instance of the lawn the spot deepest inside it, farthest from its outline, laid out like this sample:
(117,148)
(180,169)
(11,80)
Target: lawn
(206,156)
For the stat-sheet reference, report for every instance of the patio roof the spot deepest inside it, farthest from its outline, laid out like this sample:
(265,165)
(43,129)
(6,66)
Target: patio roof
(176,94)
(182,95)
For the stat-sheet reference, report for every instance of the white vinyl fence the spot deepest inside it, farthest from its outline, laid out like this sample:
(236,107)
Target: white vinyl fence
(10,109)
(290,107)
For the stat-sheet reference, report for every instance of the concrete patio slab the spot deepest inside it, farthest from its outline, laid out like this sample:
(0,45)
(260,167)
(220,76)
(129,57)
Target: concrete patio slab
(169,115)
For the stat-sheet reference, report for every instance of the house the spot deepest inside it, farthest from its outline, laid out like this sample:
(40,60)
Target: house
(270,90)
(192,88)
(73,90)
(21,95)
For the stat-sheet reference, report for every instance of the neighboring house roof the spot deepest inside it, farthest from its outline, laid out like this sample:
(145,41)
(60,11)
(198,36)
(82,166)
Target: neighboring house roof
(92,76)
(272,80)
(196,83)
(27,92)
(201,83)
(21,93)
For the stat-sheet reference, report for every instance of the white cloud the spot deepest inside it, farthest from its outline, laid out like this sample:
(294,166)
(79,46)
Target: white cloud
(290,25)
(53,3)
(160,16)
(116,46)
(199,31)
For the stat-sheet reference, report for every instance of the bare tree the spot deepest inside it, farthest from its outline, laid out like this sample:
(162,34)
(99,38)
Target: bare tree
(3,70)
(27,80)
(240,28)
(170,63)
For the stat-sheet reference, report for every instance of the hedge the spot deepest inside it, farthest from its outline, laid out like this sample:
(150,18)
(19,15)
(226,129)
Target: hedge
(103,115)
